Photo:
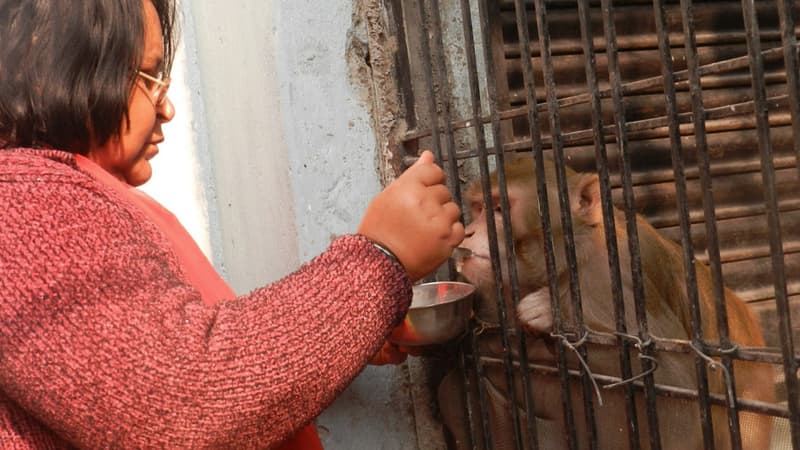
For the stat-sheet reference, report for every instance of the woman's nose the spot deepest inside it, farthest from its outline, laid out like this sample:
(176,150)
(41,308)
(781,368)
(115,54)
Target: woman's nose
(166,110)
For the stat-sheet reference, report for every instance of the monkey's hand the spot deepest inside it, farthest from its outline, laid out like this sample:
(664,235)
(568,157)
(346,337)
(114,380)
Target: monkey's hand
(535,313)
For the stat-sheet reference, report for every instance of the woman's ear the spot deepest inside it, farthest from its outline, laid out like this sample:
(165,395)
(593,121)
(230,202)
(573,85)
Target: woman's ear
(586,199)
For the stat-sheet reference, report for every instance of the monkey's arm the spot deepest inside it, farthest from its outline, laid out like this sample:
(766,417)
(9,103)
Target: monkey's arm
(104,341)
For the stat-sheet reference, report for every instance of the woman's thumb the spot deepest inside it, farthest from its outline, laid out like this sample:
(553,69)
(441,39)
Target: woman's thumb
(425,158)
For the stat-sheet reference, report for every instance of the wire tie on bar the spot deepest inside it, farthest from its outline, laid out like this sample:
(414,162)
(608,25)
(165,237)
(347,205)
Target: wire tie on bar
(573,347)
(636,377)
(727,375)
(730,350)
(641,346)
(483,325)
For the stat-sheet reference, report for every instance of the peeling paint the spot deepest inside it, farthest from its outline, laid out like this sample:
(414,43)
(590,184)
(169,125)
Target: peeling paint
(370,58)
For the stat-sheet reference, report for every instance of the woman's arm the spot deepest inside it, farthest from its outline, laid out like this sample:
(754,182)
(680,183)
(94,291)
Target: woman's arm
(104,341)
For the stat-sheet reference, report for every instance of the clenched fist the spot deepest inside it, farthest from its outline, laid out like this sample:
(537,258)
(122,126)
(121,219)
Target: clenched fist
(415,217)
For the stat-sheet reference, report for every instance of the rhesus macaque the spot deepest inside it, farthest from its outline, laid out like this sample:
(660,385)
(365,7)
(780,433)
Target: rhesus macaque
(668,316)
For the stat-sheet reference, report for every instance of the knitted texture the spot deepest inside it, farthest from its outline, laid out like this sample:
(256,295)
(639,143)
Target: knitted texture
(104,344)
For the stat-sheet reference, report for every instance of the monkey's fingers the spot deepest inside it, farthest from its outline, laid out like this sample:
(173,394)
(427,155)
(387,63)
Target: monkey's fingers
(535,312)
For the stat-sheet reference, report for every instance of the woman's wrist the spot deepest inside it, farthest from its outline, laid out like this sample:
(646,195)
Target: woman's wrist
(385,251)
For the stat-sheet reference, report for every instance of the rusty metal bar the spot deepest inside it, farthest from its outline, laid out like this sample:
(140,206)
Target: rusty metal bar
(715,264)
(536,148)
(651,128)
(541,188)
(628,88)
(756,354)
(477,366)
(469,345)
(792,67)
(776,242)
(663,390)
(566,218)
(532,432)
(506,218)
(630,216)
(474,86)
(609,225)
(444,88)
(428,71)
(681,197)
(395,12)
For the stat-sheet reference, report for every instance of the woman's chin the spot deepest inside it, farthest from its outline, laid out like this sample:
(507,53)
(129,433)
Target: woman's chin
(140,174)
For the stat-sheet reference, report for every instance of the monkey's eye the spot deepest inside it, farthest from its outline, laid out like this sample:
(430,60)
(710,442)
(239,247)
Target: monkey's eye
(476,208)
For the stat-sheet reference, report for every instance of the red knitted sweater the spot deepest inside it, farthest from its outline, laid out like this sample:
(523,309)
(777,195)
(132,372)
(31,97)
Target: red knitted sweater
(104,343)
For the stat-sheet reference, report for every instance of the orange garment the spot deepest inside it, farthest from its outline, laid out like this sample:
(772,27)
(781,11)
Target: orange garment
(198,268)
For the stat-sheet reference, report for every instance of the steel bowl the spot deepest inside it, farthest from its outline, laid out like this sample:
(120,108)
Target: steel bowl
(440,311)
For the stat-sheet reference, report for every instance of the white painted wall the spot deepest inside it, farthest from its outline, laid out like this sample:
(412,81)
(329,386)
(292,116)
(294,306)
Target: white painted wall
(269,157)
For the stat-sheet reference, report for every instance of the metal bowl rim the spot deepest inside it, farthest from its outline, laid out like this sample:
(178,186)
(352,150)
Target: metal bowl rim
(432,283)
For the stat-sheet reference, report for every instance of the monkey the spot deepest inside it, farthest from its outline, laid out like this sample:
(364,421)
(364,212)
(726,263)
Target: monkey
(667,311)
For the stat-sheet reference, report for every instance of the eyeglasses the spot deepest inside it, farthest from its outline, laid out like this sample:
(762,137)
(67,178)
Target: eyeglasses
(155,87)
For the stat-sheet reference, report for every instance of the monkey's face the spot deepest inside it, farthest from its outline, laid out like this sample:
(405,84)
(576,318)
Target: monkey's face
(526,235)
(526,224)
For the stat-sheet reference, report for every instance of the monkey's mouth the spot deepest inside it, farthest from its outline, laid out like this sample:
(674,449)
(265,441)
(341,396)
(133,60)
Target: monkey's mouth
(462,253)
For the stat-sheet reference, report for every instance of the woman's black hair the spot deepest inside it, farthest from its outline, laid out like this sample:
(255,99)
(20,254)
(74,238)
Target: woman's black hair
(67,68)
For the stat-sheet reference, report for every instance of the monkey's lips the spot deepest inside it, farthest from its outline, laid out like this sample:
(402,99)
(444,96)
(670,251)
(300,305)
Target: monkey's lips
(462,253)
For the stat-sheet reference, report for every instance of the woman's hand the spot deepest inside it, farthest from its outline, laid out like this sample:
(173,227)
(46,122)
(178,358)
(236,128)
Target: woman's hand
(393,354)
(416,218)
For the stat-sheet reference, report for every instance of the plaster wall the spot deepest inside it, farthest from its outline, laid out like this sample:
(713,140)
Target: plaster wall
(271,155)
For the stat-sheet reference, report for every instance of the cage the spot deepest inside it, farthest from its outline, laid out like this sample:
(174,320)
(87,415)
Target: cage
(688,113)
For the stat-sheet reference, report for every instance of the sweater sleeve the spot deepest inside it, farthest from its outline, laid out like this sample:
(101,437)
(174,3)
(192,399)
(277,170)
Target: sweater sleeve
(103,340)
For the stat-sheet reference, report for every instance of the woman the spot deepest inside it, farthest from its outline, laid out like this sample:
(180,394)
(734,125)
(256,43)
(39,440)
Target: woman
(115,331)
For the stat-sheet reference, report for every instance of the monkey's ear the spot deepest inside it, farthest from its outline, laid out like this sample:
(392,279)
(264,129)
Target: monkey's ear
(586,199)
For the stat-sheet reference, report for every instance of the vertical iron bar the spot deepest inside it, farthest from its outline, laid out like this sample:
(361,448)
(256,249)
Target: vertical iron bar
(503,191)
(609,223)
(790,364)
(630,218)
(792,68)
(453,177)
(469,345)
(431,100)
(510,250)
(482,395)
(715,265)
(395,10)
(544,205)
(566,216)
(483,163)
(426,56)
(444,87)
(683,206)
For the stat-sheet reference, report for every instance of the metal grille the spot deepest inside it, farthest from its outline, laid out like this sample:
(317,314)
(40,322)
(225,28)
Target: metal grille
(690,114)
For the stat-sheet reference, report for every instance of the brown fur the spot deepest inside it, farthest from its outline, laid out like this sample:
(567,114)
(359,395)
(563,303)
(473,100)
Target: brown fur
(668,316)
